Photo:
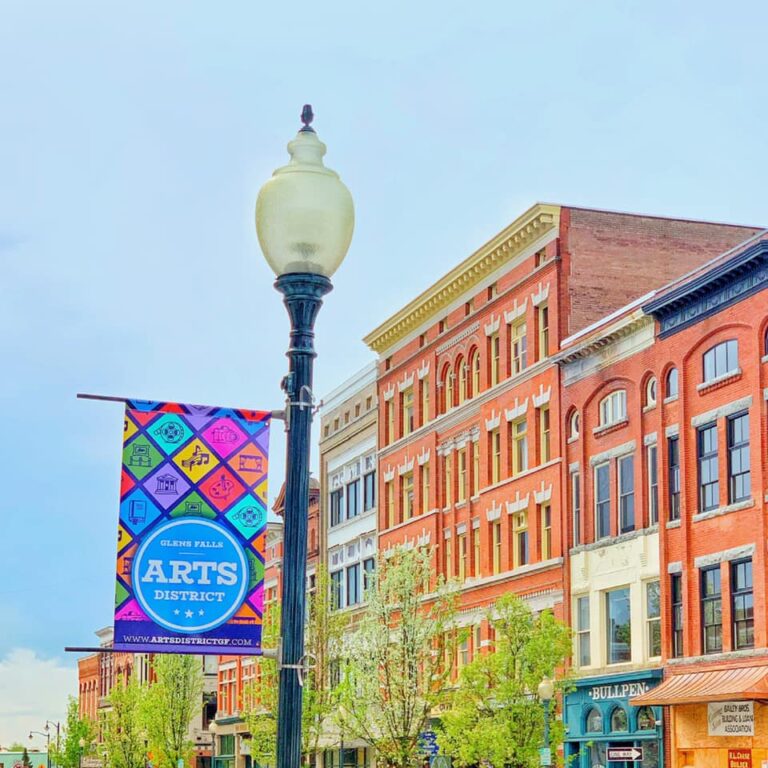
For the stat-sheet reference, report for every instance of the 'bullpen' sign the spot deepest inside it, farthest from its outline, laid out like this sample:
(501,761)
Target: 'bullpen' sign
(193,520)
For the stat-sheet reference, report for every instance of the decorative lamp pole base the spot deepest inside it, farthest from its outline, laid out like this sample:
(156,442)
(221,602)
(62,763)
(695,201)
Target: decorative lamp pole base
(303,296)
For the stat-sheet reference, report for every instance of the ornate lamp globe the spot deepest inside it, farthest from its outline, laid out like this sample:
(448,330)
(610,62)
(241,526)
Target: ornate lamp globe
(304,213)
(546,690)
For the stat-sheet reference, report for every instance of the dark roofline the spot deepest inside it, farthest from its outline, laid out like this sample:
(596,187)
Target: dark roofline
(636,215)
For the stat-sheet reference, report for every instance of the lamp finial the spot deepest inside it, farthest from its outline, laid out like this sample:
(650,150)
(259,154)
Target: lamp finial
(307,116)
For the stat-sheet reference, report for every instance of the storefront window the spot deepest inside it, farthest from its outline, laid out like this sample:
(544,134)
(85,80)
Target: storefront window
(619,626)
(646,719)
(619,720)
(594,721)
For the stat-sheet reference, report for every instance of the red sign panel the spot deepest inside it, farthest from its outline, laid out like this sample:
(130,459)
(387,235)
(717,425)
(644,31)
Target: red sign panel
(739,758)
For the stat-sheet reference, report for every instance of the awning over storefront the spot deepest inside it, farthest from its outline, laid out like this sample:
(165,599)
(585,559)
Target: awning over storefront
(740,684)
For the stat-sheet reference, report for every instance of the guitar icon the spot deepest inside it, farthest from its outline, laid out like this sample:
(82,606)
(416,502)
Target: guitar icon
(222,488)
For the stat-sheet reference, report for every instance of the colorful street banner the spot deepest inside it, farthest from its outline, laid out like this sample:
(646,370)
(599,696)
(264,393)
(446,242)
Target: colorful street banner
(193,521)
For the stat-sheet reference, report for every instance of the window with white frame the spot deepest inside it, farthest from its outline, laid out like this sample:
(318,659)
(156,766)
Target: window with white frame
(653,484)
(613,408)
(721,360)
(337,506)
(673,384)
(603,500)
(583,651)
(626,476)
(653,617)
(651,388)
(574,425)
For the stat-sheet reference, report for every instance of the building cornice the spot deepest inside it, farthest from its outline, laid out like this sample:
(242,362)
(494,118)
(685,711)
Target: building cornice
(602,338)
(504,247)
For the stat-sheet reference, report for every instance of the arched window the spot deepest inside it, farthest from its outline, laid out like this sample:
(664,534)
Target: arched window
(651,392)
(721,360)
(765,342)
(574,425)
(461,372)
(672,388)
(448,377)
(474,364)
(619,720)
(613,408)
(646,719)
(594,721)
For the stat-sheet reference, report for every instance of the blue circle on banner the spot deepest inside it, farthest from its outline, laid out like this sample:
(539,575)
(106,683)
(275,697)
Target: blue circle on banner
(190,575)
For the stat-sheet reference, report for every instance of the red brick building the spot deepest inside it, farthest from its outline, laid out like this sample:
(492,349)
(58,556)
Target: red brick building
(470,459)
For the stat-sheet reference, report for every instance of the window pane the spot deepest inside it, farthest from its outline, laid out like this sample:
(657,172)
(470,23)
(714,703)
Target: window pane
(619,721)
(619,626)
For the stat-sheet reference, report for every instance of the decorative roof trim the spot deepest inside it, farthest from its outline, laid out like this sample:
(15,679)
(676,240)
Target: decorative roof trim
(543,397)
(503,248)
(517,410)
(423,370)
(541,295)
(405,383)
(515,312)
(493,326)
(459,337)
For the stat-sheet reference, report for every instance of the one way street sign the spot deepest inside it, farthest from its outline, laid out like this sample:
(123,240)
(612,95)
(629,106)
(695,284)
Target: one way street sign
(620,754)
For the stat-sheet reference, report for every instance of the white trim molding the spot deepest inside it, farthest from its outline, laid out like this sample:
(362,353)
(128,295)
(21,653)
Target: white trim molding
(494,513)
(543,494)
(423,370)
(517,410)
(493,422)
(515,312)
(423,456)
(519,504)
(541,295)
(389,392)
(543,397)
(493,326)
(405,383)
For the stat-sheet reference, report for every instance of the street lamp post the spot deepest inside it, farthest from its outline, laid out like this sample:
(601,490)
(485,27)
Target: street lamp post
(57,726)
(81,743)
(47,744)
(304,221)
(212,728)
(546,693)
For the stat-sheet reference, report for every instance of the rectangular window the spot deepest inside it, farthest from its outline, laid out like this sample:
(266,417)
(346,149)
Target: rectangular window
(543,318)
(337,589)
(462,557)
(448,477)
(711,610)
(353,584)
(448,558)
(463,475)
(742,605)
(475,469)
(390,406)
(424,400)
(520,534)
(626,472)
(739,485)
(476,551)
(353,499)
(545,453)
(519,348)
(407,488)
(369,490)
(545,514)
(369,569)
(619,626)
(519,438)
(653,617)
(653,484)
(673,450)
(337,506)
(495,438)
(408,411)
(493,291)
(494,353)
(709,484)
(582,631)
(676,589)
(496,537)
(390,486)
(603,500)
(576,507)
(424,487)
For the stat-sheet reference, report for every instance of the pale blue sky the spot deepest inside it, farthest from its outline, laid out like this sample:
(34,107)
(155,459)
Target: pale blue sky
(134,138)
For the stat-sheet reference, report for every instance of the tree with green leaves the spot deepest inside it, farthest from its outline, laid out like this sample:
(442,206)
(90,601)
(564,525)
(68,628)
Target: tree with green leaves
(400,658)
(495,716)
(69,752)
(123,733)
(169,705)
(17,746)
(322,640)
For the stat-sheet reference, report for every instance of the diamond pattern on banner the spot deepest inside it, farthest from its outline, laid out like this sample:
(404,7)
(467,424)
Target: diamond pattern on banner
(195,460)
(193,506)
(224,436)
(182,462)
(170,432)
(222,488)
(248,516)
(140,457)
(250,463)
(137,511)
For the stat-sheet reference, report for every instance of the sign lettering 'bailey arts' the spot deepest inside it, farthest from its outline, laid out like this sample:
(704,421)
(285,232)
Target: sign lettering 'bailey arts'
(193,515)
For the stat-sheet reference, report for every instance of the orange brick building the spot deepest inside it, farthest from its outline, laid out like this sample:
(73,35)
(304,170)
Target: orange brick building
(663,489)
(470,412)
